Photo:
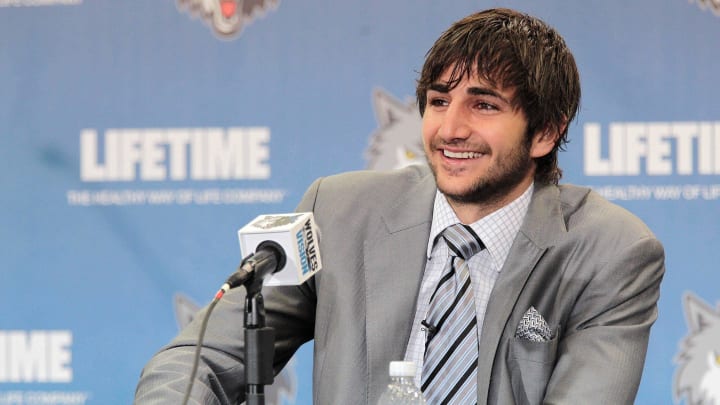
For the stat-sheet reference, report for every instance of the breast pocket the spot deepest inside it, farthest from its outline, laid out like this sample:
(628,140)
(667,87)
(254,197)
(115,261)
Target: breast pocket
(531,364)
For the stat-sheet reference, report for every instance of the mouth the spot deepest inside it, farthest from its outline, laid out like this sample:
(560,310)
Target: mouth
(461,154)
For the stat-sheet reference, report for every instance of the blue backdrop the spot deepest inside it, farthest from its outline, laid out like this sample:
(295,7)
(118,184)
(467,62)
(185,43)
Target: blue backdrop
(137,137)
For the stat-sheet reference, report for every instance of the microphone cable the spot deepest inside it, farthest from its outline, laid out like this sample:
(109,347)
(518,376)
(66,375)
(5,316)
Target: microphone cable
(196,360)
(268,255)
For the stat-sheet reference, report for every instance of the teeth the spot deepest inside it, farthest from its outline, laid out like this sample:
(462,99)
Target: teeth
(461,155)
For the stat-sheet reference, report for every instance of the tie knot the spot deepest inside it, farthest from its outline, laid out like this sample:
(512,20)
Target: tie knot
(462,241)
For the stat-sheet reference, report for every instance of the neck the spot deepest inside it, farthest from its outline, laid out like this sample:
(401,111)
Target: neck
(469,212)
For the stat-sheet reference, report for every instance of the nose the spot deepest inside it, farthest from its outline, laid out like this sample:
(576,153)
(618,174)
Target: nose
(454,124)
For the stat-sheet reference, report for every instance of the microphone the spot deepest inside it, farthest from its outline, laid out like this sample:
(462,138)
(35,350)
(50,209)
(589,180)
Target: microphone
(285,247)
(284,251)
(269,257)
(431,330)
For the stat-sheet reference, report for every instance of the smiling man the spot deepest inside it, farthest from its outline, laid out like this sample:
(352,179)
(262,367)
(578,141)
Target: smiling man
(501,285)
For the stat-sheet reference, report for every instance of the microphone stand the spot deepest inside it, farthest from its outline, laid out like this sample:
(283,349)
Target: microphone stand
(259,345)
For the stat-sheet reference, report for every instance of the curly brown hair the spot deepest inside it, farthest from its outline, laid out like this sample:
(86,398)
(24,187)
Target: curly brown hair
(512,50)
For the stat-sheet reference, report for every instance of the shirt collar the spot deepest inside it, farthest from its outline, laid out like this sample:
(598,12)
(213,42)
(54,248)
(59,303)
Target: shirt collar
(497,230)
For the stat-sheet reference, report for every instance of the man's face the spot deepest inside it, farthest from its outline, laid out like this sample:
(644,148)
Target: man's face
(475,142)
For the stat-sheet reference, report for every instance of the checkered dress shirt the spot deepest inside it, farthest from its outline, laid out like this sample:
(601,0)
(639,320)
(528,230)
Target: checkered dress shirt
(497,231)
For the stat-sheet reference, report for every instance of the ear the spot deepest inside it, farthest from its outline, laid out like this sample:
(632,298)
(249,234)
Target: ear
(544,140)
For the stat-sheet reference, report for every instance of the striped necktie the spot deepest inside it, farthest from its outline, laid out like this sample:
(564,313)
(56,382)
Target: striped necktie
(449,374)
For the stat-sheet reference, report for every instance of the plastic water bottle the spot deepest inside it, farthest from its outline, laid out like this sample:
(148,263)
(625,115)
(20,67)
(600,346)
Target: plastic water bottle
(402,389)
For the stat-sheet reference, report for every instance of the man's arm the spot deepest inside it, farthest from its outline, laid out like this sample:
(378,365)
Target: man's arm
(221,374)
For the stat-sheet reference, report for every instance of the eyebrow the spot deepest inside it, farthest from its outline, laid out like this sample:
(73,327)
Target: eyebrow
(473,91)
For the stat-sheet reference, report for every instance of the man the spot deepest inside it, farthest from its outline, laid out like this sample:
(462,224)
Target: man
(564,286)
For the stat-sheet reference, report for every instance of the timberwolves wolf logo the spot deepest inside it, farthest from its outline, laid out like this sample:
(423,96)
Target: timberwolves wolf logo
(713,5)
(397,142)
(698,375)
(275,221)
(227,17)
(284,388)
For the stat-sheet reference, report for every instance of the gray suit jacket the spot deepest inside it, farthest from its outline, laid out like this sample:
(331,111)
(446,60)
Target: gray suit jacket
(589,267)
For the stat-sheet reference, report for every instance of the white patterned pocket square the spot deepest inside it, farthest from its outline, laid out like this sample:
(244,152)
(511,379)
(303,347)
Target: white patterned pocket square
(533,327)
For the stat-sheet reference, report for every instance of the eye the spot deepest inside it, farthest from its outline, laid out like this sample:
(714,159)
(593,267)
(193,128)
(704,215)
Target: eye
(486,106)
(437,102)
(717,358)
(409,154)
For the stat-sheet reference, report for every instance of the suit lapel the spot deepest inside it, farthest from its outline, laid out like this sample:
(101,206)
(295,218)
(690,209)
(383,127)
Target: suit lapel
(542,225)
(394,265)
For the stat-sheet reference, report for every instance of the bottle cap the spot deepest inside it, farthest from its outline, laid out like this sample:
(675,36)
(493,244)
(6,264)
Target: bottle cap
(402,369)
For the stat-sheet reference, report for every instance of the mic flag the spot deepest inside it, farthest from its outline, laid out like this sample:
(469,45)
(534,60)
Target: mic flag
(296,233)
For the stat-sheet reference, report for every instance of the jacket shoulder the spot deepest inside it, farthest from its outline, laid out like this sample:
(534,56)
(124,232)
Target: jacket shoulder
(587,212)
(366,188)
(369,181)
